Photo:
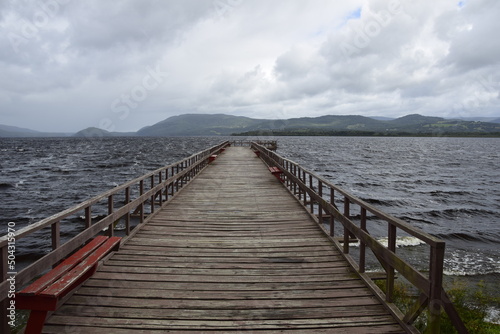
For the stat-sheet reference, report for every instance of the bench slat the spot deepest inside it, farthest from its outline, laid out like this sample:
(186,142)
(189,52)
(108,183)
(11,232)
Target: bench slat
(81,272)
(72,261)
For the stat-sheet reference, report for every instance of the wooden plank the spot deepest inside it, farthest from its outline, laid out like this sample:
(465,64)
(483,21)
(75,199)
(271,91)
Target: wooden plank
(231,286)
(138,323)
(230,304)
(204,259)
(228,271)
(226,279)
(218,265)
(372,329)
(213,251)
(184,249)
(216,314)
(231,295)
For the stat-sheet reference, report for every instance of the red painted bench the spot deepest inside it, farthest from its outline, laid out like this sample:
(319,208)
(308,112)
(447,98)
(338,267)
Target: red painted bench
(212,158)
(45,293)
(277,172)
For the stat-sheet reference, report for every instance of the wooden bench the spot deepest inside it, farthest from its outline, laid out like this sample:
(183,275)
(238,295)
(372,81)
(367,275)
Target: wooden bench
(45,293)
(278,173)
(212,158)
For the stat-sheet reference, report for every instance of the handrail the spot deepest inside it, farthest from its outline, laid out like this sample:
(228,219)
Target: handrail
(318,196)
(156,187)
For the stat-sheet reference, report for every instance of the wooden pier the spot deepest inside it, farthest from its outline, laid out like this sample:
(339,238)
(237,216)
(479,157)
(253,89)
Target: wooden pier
(233,251)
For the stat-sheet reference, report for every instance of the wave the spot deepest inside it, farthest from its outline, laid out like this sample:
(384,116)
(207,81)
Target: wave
(479,237)
(386,202)
(406,241)
(403,241)
(448,193)
(466,263)
(418,220)
(4,186)
(460,212)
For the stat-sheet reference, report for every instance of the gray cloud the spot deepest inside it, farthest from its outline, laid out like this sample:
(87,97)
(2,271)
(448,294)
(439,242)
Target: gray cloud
(70,64)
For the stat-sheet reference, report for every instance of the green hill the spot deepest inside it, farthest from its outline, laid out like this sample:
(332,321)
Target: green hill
(220,124)
(93,132)
(200,125)
(7,131)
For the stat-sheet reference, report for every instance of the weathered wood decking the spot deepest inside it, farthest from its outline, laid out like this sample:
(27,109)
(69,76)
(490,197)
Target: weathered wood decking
(234,251)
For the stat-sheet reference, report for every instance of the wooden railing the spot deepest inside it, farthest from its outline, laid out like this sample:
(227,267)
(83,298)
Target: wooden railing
(156,187)
(322,199)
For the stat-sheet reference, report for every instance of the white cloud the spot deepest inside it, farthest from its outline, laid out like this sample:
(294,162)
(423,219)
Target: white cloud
(65,64)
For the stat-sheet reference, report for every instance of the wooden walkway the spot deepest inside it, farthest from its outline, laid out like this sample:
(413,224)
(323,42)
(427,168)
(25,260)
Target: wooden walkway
(233,252)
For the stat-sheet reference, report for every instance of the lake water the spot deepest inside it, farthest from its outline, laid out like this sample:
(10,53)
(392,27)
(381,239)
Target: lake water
(448,187)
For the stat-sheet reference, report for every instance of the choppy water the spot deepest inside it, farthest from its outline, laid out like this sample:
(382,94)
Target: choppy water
(448,187)
(43,176)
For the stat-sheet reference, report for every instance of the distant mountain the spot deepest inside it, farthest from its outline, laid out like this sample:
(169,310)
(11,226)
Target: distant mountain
(93,132)
(220,124)
(382,118)
(14,131)
(364,126)
(200,125)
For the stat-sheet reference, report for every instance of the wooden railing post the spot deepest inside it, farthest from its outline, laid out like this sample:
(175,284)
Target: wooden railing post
(172,184)
(295,183)
(111,229)
(287,181)
(177,180)
(141,206)
(152,181)
(88,217)
(436,278)
(311,202)
(332,218)
(160,193)
(391,245)
(303,179)
(166,185)
(362,245)
(56,235)
(347,214)
(127,216)
(320,207)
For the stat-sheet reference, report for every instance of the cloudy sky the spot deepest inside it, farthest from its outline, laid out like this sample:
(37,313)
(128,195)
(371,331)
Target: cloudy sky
(120,65)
